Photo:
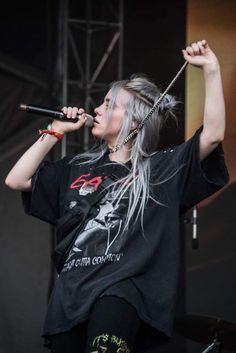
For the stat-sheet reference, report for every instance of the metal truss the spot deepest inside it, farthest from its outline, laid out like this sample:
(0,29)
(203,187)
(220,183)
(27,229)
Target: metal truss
(92,58)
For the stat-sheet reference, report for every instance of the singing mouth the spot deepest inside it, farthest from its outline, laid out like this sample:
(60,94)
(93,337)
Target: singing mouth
(95,121)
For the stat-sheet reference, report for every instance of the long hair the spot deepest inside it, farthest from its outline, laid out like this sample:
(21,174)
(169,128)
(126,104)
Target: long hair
(143,95)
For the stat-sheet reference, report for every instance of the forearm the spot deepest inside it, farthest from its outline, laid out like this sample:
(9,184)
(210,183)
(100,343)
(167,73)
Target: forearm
(19,177)
(214,109)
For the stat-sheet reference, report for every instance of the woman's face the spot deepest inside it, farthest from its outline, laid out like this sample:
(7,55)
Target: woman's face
(109,128)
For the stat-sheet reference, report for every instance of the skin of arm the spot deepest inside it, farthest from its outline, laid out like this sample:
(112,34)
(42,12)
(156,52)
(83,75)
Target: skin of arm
(20,176)
(200,54)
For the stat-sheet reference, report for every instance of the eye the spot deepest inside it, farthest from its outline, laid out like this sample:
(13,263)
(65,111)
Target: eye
(107,104)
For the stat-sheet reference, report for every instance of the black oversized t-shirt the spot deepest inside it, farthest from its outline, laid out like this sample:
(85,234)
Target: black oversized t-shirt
(138,266)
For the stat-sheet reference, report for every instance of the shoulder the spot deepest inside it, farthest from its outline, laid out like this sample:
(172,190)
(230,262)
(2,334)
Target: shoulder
(164,164)
(179,150)
(165,155)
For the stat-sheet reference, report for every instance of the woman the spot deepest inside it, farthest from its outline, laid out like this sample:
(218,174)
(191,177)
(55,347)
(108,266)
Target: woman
(119,206)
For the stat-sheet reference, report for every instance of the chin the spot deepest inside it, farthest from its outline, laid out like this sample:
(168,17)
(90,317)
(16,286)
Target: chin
(96,133)
(99,134)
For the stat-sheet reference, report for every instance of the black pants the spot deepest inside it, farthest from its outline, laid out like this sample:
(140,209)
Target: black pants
(112,328)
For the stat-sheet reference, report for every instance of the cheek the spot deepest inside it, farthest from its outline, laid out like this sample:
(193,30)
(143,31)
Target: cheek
(109,127)
(113,124)
(114,127)
(116,122)
(102,129)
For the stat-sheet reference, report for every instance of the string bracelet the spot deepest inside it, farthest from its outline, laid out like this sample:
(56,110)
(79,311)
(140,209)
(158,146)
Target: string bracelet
(50,131)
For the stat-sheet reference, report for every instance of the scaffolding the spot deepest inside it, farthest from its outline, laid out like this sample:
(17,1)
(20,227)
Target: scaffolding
(91,58)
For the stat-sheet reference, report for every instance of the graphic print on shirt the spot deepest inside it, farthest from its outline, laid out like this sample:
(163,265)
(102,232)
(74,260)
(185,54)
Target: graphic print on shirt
(102,239)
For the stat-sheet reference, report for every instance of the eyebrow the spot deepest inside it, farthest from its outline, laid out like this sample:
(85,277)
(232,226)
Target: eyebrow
(107,100)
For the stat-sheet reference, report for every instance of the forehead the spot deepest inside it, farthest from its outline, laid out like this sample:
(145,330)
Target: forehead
(122,97)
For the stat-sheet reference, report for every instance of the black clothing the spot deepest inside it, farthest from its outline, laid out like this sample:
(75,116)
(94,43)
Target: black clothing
(113,326)
(140,267)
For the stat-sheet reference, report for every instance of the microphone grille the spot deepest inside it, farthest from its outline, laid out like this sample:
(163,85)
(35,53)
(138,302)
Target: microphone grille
(89,120)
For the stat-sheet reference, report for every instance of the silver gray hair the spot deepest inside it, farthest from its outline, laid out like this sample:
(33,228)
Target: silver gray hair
(143,95)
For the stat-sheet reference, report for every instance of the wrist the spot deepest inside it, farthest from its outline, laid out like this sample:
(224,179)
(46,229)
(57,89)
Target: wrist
(212,68)
(56,128)
(50,131)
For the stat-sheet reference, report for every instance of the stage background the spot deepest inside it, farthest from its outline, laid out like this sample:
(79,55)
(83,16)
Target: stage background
(154,34)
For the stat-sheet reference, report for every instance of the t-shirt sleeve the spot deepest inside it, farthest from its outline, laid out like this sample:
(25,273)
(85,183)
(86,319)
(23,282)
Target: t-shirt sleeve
(43,201)
(199,179)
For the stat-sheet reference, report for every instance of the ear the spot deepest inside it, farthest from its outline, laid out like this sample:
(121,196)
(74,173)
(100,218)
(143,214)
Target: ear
(134,124)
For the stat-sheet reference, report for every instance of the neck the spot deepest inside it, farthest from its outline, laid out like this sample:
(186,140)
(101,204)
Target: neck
(122,155)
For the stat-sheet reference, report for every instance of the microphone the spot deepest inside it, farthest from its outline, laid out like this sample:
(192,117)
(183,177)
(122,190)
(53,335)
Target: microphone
(54,113)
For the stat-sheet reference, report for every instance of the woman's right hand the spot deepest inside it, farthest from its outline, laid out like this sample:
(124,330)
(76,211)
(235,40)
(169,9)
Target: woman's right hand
(63,127)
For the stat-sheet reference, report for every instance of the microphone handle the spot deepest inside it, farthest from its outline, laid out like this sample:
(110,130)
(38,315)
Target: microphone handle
(53,113)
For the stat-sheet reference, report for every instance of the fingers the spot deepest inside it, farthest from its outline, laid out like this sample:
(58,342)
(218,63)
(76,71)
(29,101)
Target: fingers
(73,113)
(196,48)
(199,54)
(78,114)
(72,125)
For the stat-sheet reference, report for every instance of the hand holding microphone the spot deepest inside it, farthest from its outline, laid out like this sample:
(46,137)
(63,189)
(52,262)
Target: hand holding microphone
(62,118)
(76,116)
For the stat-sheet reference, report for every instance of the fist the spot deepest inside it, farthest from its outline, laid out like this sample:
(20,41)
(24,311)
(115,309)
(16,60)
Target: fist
(200,54)
(71,113)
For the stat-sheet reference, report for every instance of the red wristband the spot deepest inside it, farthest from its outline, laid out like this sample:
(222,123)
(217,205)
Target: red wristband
(51,132)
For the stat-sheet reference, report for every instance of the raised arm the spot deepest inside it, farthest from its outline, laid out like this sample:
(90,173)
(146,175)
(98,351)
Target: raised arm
(20,176)
(200,54)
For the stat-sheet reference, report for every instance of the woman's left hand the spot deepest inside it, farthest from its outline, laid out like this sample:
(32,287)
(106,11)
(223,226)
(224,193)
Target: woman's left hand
(200,54)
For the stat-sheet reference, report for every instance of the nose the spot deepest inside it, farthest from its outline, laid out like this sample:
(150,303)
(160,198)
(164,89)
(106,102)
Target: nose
(97,110)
